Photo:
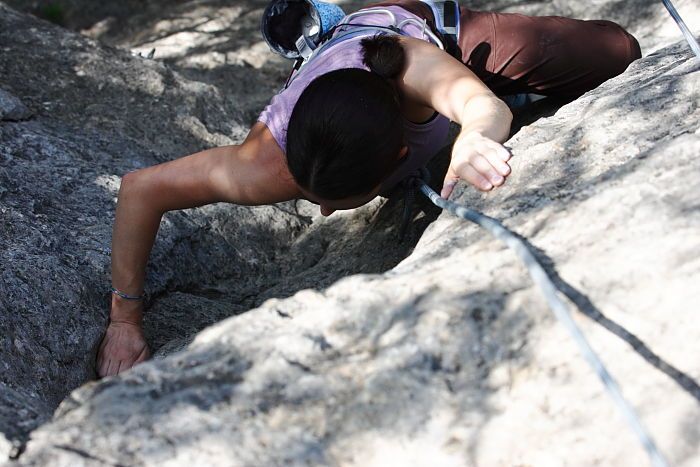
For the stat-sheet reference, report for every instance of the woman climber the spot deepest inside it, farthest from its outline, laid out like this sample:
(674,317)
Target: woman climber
(363,112)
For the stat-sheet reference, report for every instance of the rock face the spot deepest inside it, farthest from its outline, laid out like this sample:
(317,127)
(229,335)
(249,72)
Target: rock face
(11,108)
(449,357)
(101,114)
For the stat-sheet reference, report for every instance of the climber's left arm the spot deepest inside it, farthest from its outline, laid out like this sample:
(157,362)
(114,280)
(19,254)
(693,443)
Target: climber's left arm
(437,80)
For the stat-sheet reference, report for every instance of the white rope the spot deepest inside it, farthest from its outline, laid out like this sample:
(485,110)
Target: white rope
(541,278)
(692,42)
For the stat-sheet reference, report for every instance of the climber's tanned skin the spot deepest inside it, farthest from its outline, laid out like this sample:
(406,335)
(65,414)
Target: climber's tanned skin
(255,172)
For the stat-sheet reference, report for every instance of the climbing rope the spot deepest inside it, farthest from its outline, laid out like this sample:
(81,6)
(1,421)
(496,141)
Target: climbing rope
(542,279)
(692,42)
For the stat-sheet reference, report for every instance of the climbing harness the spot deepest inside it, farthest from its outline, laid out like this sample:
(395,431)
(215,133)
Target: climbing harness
(347,30)
(692,42)
(314,26)
(311,24)
(559,308)
(446,15)
(296,28)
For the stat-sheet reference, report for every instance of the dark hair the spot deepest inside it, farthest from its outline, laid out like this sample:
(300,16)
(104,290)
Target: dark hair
(346,131)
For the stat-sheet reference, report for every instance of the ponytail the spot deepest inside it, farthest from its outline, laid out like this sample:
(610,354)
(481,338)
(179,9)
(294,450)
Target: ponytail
(384,55)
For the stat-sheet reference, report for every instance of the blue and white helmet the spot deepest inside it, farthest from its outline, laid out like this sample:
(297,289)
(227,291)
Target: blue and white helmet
(294,28)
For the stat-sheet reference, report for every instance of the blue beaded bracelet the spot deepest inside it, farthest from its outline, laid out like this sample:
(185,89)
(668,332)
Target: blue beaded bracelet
(121,294)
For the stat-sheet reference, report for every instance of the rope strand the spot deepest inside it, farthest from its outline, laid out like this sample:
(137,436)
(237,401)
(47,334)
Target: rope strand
(692,42)
(541,278)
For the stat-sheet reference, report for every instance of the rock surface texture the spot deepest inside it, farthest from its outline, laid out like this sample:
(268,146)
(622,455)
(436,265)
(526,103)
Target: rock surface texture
(102,113)
(356,349)
(11,108)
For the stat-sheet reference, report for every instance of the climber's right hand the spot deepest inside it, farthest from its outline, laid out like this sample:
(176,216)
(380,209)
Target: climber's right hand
(478,160)
(123,344)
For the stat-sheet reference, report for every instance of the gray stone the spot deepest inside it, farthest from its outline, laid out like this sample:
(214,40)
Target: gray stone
(357,349)
(11,108)
(20,412)
(102,114)
(452,357)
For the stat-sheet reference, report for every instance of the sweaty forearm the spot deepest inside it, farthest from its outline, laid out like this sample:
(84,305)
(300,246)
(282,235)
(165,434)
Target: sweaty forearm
(487,115)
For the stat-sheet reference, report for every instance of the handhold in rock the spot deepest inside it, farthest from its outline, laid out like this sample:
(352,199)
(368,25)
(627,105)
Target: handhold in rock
(11,108)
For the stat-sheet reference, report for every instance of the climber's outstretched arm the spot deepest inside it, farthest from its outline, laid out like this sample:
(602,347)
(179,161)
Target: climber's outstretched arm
(434,79)
(252,173)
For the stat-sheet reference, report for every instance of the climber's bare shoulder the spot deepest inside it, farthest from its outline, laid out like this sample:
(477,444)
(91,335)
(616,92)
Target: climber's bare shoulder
(256,171)
(435,80)
(252,173)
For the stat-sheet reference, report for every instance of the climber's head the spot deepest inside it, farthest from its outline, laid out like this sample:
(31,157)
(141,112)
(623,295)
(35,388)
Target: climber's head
(345,134)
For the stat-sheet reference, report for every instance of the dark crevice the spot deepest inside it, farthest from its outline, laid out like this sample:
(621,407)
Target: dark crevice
(313,261)
(294,363)
(87,455)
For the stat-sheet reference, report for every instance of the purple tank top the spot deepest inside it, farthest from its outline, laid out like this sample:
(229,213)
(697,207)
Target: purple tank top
(423,140)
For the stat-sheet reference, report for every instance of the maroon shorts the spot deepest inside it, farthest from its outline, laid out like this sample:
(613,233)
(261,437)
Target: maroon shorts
(548,55)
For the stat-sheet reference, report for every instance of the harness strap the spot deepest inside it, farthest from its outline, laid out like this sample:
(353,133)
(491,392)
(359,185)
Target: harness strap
(355,30)
(446,15)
